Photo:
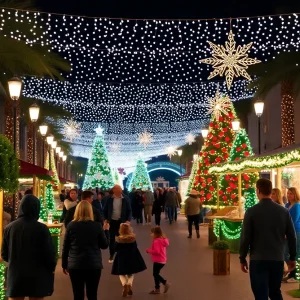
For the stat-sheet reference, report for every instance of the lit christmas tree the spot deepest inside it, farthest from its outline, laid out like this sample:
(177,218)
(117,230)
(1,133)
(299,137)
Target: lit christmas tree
(140,178)
(216,147)
(50,202)
(241,149)
(53,167)
(192,175)
(43,211)
(98,173)
(250,197)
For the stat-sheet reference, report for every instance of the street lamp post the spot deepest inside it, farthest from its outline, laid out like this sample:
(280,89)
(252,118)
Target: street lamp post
(15,87)
(34,112)
(259,109)
(179,154)
(50,139)
(43,131)
(53,146)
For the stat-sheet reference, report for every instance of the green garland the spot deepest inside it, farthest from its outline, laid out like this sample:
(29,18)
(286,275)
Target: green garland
(9,167)
(266,162)
(227,232)
(2,272)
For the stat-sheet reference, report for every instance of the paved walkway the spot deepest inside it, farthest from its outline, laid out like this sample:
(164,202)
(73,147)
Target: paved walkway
(189,270)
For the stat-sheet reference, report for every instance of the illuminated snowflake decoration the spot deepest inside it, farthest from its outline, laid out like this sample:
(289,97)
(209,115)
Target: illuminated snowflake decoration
(171,150)
(115,147)
(99,131)
(71,130)
(230,60)
(190,138)
(217,105)
(145,138)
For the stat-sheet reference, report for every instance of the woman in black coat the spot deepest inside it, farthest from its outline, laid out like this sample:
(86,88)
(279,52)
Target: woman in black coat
(81,256)
(27,247)
(128,260)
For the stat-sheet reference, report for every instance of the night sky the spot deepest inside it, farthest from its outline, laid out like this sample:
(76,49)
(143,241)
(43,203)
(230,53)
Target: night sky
(184,9)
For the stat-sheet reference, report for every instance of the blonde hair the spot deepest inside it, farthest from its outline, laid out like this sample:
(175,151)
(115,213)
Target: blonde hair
(278,195)
(83,212)
(294,191)
(157,232)
(125,229)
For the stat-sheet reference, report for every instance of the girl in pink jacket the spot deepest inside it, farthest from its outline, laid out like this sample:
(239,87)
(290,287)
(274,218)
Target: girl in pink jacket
(159,258)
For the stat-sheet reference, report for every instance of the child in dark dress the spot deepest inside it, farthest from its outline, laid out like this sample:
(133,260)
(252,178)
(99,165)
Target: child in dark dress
(128,260)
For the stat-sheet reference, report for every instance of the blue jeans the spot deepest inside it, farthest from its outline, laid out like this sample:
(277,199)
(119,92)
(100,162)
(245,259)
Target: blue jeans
(287,253)
(265,277)
(172,213)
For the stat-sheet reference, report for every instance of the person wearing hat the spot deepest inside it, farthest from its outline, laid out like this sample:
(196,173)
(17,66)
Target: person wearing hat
(192,211)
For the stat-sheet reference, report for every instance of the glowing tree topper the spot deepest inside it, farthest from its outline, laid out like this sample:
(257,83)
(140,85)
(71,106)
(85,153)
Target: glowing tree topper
(140,178)
(98,172)
(230,60)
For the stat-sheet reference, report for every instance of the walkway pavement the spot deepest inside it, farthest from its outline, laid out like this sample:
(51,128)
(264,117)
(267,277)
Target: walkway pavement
(189,270)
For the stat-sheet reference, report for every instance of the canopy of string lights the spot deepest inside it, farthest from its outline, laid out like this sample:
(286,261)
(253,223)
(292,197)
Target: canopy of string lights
(135,75)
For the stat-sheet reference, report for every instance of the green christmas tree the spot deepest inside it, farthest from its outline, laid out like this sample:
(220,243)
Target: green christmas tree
(192,175)
(140,178)
(241,149)
(50,202)
(250,197)
(52,167)
(216,147)
(98,172)
(43,211)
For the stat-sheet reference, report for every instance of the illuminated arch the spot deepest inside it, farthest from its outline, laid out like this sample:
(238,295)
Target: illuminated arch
(160,166)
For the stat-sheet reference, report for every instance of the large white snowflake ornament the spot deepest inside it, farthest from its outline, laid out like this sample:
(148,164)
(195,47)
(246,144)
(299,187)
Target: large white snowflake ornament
(145,138)
(190,138)
(218,104)
(230,60)
(71,130)
(171,150)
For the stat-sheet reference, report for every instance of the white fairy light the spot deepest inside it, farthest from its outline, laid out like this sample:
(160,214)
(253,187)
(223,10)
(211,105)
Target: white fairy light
(171,150)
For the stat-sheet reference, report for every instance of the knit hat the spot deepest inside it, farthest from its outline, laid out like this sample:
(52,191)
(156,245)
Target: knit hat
(194,193)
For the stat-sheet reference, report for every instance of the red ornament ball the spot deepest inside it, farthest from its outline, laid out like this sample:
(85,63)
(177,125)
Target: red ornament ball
(208,196)
(238,149)
(211,188)
(244,145)
(225,129)
(233,196)
(246,153)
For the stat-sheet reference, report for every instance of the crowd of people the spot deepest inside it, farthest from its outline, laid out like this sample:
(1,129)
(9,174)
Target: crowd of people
(101,220)
(93,223)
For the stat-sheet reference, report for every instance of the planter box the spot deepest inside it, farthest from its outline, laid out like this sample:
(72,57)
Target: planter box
(221,262)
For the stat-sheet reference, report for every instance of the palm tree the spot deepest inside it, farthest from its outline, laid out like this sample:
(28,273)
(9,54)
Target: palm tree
(284,70)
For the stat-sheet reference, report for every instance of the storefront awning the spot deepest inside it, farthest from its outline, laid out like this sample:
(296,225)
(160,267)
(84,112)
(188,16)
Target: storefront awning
(29,170)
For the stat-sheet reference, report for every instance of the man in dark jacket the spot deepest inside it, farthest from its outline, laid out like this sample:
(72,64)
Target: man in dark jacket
(98,202)
(265,227)
(88,196)
(171,204)
(117,210)
(27,247)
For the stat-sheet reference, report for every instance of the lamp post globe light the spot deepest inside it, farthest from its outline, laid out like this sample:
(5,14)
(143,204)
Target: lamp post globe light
(15,87)
(57,150)
(50,139)
(236,125)
(204,133)
(179,152)
(259,109)
(54,144)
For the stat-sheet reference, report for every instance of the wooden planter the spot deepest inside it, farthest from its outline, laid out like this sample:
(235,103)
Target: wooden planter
(221,262)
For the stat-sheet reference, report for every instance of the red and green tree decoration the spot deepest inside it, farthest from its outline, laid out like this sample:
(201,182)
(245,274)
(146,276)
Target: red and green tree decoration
(192,175)
(216,148)
(241,149)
